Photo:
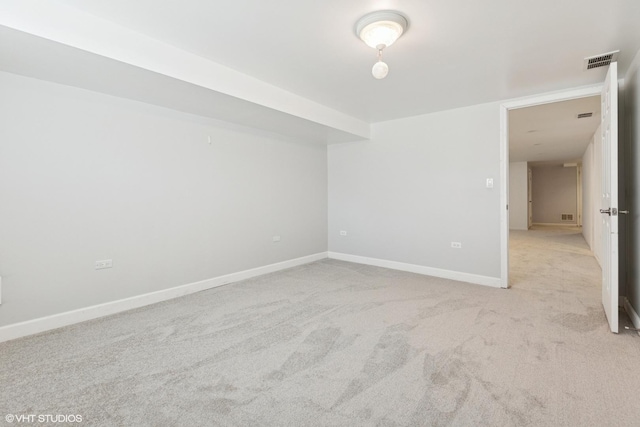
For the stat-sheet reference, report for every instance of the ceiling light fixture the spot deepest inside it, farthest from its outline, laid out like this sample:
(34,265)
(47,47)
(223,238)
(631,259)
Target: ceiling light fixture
(379,30)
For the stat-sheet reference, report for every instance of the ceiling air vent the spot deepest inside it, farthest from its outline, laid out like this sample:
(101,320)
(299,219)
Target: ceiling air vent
(584,115)
(601,60)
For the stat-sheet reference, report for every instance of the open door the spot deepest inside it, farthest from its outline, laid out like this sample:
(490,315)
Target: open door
(609,202)
(529,198)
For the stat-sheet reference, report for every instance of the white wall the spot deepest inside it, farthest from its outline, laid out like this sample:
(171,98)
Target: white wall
(591,182)
(554,193)
(86,177)
(418,185)
(631,157)
(597,194)
(588,195)
(518,198)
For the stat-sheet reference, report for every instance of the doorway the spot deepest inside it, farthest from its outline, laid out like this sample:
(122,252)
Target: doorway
(548,145)
(593,91)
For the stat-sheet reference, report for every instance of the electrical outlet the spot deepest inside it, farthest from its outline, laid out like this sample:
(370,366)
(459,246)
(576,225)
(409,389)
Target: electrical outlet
(456,245)
(343,233)
(105,263)
(489,182)
(276,238)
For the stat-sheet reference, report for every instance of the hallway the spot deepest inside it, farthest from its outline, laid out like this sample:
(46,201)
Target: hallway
(556,261)
(553,258)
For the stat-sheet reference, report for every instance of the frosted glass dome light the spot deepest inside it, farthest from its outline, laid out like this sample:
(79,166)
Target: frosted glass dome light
(380,70)
(380,30)
(383,27)
(383,33)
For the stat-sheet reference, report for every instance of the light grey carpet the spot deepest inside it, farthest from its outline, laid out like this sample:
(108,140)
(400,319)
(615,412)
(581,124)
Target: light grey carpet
(340,344)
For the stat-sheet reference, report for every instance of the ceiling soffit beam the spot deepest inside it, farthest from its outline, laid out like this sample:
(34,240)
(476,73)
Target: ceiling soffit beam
(72,27)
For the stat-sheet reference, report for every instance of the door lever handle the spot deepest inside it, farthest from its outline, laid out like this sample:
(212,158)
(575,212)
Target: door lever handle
(612,211)
(623,212)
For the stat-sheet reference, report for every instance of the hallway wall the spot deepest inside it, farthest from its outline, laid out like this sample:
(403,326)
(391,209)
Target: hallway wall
(591,177)
(554,192)
(518,199)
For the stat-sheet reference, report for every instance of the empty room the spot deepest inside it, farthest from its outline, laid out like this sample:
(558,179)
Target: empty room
(303,213)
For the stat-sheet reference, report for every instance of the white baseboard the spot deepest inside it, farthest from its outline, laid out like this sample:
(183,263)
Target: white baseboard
(43,324)
(557,224)
(419,269)
(633,315)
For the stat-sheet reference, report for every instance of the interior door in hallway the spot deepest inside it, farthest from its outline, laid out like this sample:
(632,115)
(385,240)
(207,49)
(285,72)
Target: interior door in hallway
(609,200)
(530,197)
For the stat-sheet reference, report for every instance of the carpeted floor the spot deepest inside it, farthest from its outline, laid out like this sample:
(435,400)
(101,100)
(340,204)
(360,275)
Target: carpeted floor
(340,344)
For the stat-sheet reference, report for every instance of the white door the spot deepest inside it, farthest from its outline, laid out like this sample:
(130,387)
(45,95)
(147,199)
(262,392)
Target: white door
(609,203)
(530,197)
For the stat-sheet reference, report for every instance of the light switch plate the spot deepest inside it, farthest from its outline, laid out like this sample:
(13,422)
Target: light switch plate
(105,263)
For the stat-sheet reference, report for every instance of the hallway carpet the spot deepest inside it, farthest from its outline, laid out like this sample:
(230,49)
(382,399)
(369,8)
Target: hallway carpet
(339,344)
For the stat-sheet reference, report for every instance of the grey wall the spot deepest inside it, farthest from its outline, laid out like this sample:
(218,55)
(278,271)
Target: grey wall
(554,193)
(418,185)
(86,177)
(518,198)
(632,169)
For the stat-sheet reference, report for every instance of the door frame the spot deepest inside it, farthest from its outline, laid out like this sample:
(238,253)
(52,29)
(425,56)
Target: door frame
(548,98)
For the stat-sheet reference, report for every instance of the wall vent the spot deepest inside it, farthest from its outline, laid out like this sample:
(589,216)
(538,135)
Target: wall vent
(601,60)
(566,217)
(584,115)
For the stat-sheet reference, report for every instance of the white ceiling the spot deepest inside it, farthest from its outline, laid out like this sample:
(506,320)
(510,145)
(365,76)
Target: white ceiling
(455,53)
(551,133)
